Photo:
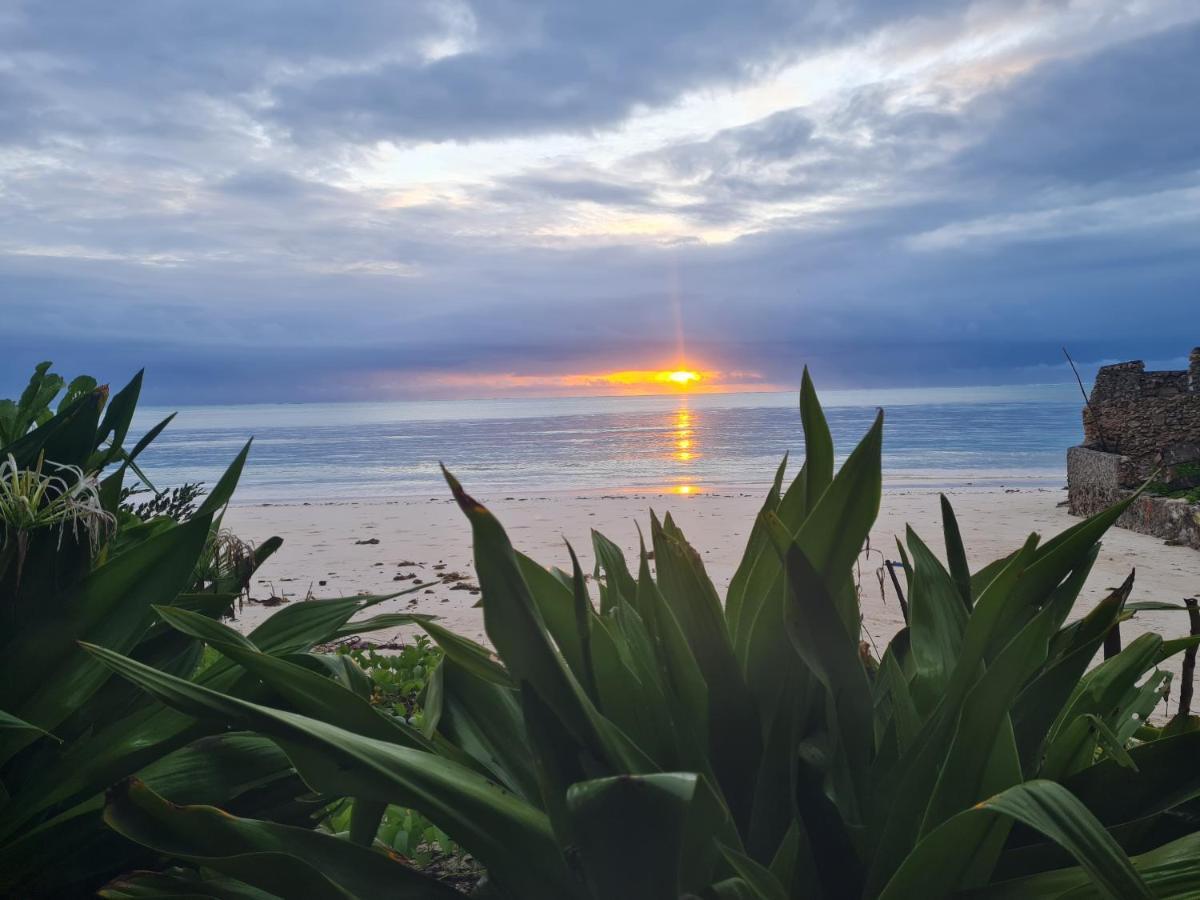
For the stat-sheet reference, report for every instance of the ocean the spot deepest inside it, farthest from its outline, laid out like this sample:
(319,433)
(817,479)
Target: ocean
(942,438)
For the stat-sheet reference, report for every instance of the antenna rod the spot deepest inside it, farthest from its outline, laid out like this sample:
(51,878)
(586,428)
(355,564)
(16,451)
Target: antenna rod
(1087,401)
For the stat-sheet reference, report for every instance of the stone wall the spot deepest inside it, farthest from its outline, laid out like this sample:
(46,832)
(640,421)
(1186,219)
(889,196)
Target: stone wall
(1151,417)
(1140,425)
(1096,481)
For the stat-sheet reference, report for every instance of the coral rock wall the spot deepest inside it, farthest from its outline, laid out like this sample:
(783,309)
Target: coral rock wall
(1140,425)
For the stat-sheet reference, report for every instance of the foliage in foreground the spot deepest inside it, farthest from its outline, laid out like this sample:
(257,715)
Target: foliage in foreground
(75,567)
(398,682)
(663,744)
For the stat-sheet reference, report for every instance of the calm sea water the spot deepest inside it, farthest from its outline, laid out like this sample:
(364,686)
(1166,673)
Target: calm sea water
(944,437)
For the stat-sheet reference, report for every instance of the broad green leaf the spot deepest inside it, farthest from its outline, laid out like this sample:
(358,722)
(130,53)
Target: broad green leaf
(1172,870)
(281,859)
(223,490)
(758,878)
(757,571)
(115,425)
(365,816)
(581,605)
(734,747)
(483,719)
(9,722)
(80,385)
(835,530)
(64,438)
(937,621)
(1071,651)
(305,691)
(517,630)
(818,443)
(507,835)
(647,836)
(683,684)
(111,606)
(555,601)
(186,884)
(473,657)
(946,860)
(620,585)
(1098,692)
(983,726)
(956,555)
(818,635)
(122,747)
(900,802)
(1165,777)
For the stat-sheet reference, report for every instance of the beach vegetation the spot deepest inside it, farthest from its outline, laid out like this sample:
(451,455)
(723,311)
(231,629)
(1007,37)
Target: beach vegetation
(655,739)
(76,567)
(398,674)
(178,503)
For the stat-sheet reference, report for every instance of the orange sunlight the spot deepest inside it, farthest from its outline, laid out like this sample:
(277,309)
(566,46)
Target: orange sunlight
(623,381)
(678,379)
(683,378)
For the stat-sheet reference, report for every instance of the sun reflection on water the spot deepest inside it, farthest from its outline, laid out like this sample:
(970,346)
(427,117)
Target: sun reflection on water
(682,436)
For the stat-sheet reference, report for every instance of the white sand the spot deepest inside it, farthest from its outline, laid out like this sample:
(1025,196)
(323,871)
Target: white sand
(320,546)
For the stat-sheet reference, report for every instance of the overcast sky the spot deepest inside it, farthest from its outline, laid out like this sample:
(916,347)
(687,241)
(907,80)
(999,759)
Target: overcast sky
(298,199)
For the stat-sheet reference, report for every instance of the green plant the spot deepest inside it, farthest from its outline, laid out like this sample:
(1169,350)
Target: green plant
(32,501)
(17,417)
(398,681)
(1190,471)
(72,569)
(421,843)
(1160,489)
(660,744)
(398,677)
(178,503)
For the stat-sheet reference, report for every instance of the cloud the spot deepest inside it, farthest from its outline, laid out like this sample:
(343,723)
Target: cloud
(558,67)
(1117,115)
(900,192)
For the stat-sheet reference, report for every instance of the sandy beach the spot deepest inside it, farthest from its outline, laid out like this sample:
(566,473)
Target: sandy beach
(338,549)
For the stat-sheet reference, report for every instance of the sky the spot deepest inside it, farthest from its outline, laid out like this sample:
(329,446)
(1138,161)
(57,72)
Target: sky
(269,200)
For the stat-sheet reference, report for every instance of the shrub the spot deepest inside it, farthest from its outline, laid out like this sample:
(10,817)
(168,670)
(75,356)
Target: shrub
(661,743)
(73,568)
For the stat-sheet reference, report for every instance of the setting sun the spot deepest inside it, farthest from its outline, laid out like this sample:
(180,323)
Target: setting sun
(682,377)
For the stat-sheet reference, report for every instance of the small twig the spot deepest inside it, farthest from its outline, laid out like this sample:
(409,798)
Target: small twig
(891,567)
(1187,672)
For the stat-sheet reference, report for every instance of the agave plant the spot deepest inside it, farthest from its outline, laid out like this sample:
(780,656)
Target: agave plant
(72,569)
(655,742)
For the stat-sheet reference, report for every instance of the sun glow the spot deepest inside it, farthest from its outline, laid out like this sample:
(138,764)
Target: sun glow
(645,378)
(677,380)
